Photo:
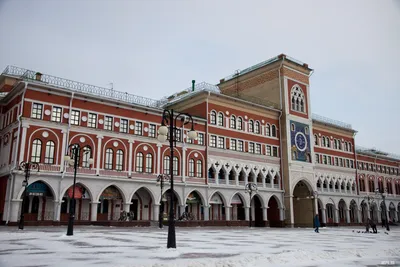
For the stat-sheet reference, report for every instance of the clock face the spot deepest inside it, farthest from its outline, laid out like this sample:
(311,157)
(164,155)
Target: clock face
(301,141)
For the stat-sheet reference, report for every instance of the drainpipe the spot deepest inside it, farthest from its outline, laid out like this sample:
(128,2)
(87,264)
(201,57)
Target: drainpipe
(66,146)
(280,137)
(206,139)
(12,175)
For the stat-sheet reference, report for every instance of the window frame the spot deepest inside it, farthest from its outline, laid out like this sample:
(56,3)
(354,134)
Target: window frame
(34,115)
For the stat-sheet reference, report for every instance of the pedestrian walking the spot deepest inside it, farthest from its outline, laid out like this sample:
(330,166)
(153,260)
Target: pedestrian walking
(316,224)
(373,226)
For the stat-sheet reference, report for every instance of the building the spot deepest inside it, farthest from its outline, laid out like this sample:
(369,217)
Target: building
(254,126)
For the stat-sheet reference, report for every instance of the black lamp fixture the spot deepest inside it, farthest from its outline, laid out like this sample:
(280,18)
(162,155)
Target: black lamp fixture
(169,126)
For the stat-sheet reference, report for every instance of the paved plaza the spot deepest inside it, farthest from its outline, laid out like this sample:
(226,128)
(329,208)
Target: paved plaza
(222,247)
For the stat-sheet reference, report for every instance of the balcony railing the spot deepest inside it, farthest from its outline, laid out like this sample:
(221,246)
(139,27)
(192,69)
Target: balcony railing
(326,120)
(30,75)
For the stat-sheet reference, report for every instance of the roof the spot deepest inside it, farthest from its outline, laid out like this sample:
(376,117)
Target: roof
(377,153)
(262,64)
(331,122)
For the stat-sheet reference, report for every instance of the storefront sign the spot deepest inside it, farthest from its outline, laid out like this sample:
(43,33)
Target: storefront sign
(37,189)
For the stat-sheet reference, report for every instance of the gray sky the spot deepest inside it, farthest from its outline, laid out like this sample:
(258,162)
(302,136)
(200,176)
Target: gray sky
(155,48)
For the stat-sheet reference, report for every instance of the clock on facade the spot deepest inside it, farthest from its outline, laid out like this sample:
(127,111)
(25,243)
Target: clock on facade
(300,141)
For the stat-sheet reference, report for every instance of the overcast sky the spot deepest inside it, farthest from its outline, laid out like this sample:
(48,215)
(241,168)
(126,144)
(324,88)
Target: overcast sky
(155,48)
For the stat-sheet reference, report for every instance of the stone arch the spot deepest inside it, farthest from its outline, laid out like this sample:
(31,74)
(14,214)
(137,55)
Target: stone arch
(123,195)
(21,191)
(151,193)
(303,204)
(77,183)
(217,202)
(273,211)
(202,198)
(222,196)
(342,207)
(193,205)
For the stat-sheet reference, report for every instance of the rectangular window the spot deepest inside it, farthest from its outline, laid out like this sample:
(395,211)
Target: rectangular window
(268,150)
(56,114)
(175,164)
(232,145)
(152,130)
(108,123)
(351,164)
(75,115)
(275,151)
(251,147)
(240,145)
(200,139)
(213,141)
(92,120)
(178,135)
(316,158)
(37,110)
(123,126)
(258,148)
(221,142)
(341,162)
(329,160)
(138,128)
(347,163)
(336,161)
(199,168)
(325,159)
(191,168)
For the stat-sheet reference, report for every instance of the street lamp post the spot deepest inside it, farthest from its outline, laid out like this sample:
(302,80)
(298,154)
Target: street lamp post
(161,178)
(169,123)
(383,195)
(74,161)
(250,188)
(27,167)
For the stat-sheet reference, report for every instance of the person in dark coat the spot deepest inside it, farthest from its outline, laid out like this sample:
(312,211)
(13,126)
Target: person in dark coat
(373,226)
(316,224)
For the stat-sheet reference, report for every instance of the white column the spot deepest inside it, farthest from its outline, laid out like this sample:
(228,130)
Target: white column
(291,211)
(98,157)
(23,140)
(159,158)
(246,179)
(359,215)
(315,206)
(183,164)
(237,179)
(216,178)
(336,215)
(265,214)
(245,126)
(228,213)
(16,204)
(347,215)
(323,217)
(130,141)
(247,213)
(156,211)
(63,147)
(281,214)
(127,207)
(263,182)
(57,210)
(227,178)
(93,215)
(206,210)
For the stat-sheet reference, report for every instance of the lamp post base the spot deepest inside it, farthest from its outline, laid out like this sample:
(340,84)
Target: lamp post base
(21,223)
(70,230)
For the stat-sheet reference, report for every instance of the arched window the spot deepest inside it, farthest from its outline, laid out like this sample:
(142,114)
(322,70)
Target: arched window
(176,166)
(251,126)
(298,99)
(349,147)
(119,160)
(268,130)
(49,155)
(233,122)
(36,150)
(220,119)
(191,167)
(239,123)
(257,127)
(213,117)
(109,159)
(346,148)
(149,163)
(316,140)
(273,130)
(86,155)
(199,168)
(139,162)
(166,165)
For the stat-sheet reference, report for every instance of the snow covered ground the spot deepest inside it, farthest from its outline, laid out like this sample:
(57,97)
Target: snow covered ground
(223,247)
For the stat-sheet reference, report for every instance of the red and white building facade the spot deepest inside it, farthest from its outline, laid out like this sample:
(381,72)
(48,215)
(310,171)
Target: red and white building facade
(254,126)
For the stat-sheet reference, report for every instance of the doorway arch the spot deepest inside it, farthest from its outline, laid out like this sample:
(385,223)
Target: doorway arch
(303,204)
(273,212)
